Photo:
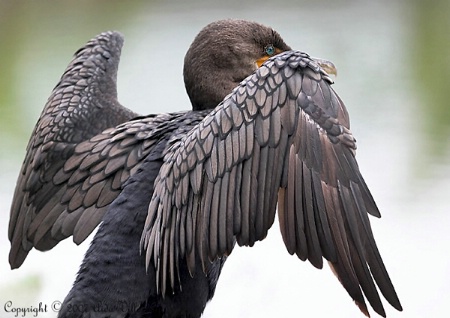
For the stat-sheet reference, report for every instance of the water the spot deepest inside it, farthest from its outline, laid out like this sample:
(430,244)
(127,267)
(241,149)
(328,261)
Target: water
(393,68)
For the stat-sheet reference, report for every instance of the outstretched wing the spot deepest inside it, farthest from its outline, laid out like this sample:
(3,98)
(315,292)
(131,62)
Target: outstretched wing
(281,136)
(83,104)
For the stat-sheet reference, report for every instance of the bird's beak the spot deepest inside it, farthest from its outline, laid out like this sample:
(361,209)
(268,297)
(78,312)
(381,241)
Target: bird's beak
(326,65)
(261,60)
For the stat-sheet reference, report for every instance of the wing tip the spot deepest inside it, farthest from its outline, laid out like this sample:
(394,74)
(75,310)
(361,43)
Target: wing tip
(362,306)
(395,302)
(17,257)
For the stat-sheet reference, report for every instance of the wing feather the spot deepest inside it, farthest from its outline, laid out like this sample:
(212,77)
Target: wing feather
(312,238)
(231,187)
(238,197)
(253,207)
(227,217)
(245,196)
(213,223)
(260,194)
(269,194)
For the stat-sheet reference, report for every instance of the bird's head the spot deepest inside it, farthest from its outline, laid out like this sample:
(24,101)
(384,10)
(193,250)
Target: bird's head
(222,55)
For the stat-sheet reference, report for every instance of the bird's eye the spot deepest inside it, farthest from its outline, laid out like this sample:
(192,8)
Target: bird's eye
(269,50)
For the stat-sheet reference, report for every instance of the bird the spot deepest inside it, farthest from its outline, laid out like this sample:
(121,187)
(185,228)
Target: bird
(172,193)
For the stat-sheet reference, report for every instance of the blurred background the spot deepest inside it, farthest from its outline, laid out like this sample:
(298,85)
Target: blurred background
(393,60)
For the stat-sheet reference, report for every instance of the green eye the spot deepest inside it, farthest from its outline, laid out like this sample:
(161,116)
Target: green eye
(270,50)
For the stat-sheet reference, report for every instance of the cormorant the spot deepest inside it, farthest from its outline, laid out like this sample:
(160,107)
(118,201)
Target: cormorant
(174,192)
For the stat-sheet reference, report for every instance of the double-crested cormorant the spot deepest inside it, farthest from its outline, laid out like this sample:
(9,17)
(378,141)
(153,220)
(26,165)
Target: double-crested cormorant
(174,192)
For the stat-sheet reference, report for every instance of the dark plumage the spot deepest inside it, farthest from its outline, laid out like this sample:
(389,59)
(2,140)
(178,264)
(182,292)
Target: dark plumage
(174,192)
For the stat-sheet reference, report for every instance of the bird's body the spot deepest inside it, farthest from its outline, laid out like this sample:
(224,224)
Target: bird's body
(113,277)
(175,192)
